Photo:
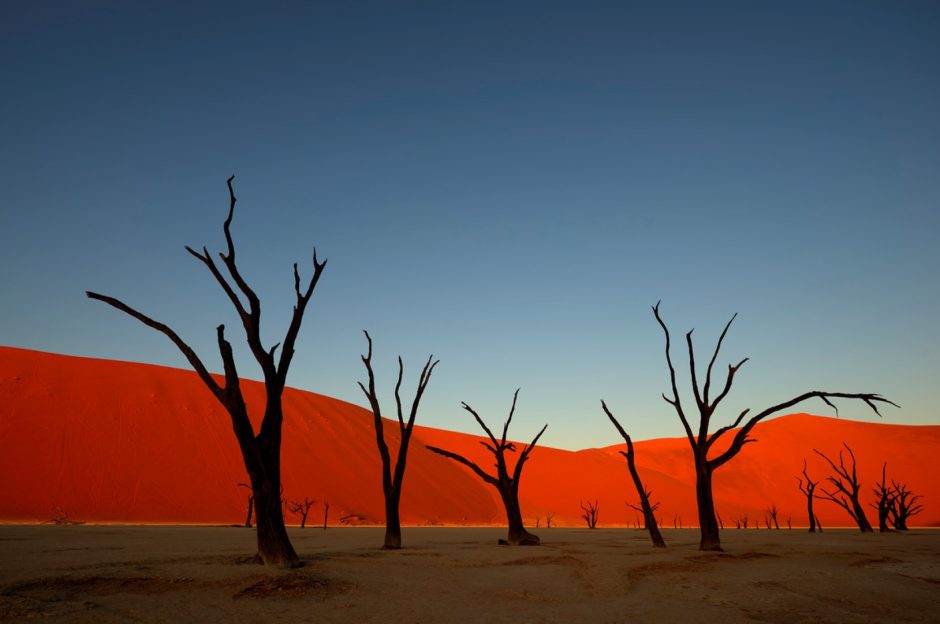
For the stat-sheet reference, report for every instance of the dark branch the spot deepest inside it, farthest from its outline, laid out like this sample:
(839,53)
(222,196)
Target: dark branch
(466,462)
(675,402)
(186,350)
(708,373)
(741,437)
(482,424)
(512,411)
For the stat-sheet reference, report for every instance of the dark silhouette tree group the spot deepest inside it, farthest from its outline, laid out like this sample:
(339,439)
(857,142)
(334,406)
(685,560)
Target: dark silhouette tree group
(260,449)
(702,440)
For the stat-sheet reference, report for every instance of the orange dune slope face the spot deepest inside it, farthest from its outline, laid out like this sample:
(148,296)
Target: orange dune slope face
(109,441)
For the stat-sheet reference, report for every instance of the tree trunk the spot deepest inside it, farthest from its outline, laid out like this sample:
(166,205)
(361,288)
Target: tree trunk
(264,470)
(518,536)
(863,524)
(812,516)
(274,547)
(707,520)
(392,522)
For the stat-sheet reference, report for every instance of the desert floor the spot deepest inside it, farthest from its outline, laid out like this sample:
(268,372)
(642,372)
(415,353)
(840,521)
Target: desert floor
(204,574)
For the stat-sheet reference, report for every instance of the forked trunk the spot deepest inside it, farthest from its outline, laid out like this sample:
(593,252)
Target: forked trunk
(707,520)
(518,536)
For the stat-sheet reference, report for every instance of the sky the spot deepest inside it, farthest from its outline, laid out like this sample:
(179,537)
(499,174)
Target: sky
(509,186)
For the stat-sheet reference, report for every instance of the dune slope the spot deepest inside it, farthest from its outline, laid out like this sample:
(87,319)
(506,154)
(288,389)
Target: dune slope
(114,441)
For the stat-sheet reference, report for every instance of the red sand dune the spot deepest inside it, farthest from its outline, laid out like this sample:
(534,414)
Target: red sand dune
(113,441)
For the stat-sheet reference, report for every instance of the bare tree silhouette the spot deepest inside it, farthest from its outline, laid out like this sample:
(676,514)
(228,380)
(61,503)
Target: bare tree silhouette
(847,488)
(549,516)
(906,504)
(589,513)
(809,489)
(251,504)
(392,480)
(302,508)
(261,452)
(60,517)
(506,484)
(885,496)
(772,513)
(702,441)
(326,512)
(648,510)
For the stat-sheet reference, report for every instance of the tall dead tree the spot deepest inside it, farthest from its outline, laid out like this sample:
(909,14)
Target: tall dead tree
(261,451)
(506,483)
(847,489)
(302,509)
(589,513)
(884,499)
(906,504)
(702,441)
(809,489)
(392,480)
(646,508)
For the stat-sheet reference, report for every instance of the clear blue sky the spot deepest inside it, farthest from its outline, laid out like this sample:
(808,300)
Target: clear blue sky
(508,185)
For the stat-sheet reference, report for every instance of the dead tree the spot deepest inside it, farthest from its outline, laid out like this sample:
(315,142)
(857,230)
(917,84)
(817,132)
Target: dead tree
(261,452)
(251,504)
(326,512)
(589,513)
(549,516)
(647,509)
(847,488)
(772,516)
(60,517)
(392,480)
(809,489)
(702,441)
(906,504)
(302,508)
(885,496)
(506,483)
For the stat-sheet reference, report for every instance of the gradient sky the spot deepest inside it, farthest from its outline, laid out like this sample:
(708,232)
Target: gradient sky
(508,185)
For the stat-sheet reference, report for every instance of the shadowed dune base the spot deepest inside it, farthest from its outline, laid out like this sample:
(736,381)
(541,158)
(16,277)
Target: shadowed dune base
(159,574)
(119,442)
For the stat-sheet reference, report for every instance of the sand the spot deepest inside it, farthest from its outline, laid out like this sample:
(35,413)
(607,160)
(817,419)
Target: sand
(204,574)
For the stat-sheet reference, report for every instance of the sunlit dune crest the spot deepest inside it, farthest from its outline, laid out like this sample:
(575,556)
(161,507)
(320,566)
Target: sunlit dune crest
(110,441)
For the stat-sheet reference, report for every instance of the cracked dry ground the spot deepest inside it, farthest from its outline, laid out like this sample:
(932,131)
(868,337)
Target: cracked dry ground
(157,574)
